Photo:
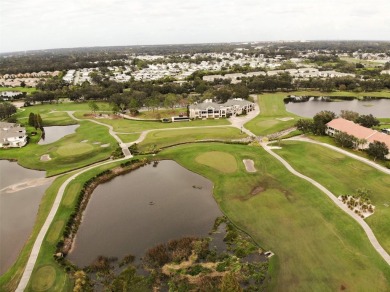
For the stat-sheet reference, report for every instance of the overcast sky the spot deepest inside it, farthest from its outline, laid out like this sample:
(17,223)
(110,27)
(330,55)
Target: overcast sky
(45,24)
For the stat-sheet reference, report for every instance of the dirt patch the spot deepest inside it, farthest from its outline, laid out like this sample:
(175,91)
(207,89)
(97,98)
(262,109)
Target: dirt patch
(257,190)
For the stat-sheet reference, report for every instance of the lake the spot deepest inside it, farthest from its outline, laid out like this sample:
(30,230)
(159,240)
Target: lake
(379,108)
(21,191)
(55,133)
(141,209)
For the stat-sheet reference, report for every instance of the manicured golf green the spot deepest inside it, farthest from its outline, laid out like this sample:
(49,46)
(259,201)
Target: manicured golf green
(272,115)
(317,246)
(44,278)
(221,161)
(159,139)
(343,175)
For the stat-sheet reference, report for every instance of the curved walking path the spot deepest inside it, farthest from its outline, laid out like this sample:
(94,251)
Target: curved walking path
(342,206)
(45,227)
(357,157)
(111,131)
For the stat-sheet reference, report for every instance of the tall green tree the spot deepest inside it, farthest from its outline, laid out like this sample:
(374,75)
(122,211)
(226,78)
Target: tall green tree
(378,150)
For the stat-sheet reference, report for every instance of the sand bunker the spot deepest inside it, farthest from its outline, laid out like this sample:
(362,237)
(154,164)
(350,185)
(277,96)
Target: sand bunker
(84,141)
(249,165)
(30,183)
(285,119)
(45,157)
(96,143)
(105,145)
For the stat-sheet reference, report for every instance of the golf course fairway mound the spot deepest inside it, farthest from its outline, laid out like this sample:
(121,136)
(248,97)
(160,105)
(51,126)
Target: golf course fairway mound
(44,278)
(222,161)
(74,149)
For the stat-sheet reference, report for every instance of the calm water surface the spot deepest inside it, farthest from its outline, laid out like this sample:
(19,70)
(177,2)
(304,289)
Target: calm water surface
(378,108)
(55,133)
(120,218)
(18,208)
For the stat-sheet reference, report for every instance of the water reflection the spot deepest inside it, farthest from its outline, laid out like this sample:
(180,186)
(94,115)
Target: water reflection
(141,209)
(21,191)
(52,134)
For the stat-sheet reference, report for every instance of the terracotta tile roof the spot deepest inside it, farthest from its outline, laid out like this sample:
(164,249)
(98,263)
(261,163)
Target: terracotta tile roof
(359,131)
(380,137)
(351,128)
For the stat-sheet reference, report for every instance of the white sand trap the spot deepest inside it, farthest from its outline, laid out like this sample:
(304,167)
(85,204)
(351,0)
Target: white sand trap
(45,157)
(105,145)
(84,141)
(249,165)
(97,143)
(275,147)
(285,119)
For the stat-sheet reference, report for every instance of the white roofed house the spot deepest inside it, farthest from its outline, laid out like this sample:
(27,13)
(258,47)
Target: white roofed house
(12,135)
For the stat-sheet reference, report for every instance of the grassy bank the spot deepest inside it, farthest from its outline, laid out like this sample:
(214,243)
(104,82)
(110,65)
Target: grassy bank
(159,139)
(131,126)
(343,175)
(48,275)
(317,246)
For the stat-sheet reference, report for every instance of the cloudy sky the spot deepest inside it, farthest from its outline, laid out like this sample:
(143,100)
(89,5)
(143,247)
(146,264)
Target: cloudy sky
(45,24)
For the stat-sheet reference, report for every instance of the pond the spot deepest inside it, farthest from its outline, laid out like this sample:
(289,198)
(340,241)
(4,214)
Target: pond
(379,108)
(21,191)
(55,133)
(141,209)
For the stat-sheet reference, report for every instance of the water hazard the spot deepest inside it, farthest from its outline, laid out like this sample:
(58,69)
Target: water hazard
(21,191)
(139,210)
(55,133)
(378,108)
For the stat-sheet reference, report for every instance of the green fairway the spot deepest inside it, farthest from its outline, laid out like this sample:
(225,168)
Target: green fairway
(67,153)
(343,175)
(133,126)
(221,161)
(127,138)
(317,246)
(272,112)
(18,88)
(159,139)
(44,278)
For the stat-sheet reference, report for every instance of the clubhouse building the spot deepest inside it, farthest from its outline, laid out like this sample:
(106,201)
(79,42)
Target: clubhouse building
(363,134)
(12,135)
(211,110)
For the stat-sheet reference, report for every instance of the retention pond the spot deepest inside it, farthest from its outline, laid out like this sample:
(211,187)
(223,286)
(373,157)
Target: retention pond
(21,191)
(52,134)
(141,209)
(378,108)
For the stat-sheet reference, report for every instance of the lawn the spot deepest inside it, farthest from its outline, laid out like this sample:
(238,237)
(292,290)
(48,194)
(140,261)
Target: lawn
(272,109)
(127,138)
(133,126)
(161,113)
(21,89)
(318,247)
(67,153)
(164,138)
(343,175)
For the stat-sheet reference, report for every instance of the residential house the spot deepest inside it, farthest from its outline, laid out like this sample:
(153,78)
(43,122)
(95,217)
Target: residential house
(12,135)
